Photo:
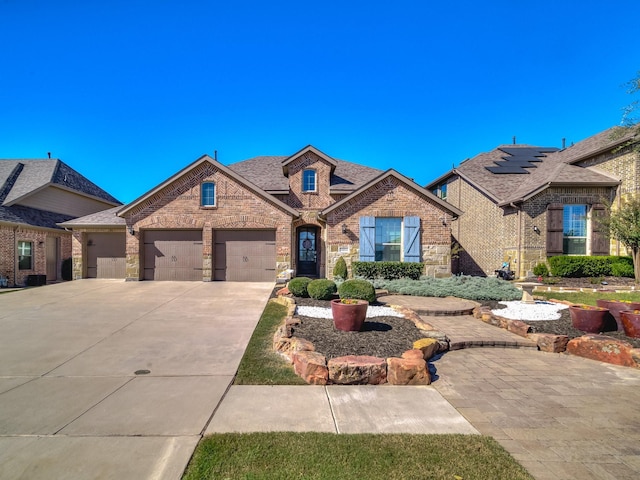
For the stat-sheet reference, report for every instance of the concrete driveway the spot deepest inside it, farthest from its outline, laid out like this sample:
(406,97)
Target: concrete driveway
(115,380)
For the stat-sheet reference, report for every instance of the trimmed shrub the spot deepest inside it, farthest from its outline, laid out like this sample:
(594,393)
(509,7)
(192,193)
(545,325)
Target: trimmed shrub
(340,269)
(583,266)
(622,269)
(358,289)
(67,269)
(387,270)
(321,289)
(298,286)
(463,286)
(541,270)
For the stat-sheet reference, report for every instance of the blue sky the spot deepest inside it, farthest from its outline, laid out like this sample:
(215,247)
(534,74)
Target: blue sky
(129,92)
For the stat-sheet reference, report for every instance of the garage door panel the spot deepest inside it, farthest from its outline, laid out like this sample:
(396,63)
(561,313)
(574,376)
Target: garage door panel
(245,255)
(106,255)
(173,255)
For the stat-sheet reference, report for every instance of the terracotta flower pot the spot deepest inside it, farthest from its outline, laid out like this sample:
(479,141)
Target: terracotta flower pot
(349,317)
(615,307)
(588,319)
(631,322)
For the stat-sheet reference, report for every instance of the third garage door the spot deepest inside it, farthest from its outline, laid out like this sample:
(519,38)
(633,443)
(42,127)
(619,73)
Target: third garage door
(245,255)
(173,255)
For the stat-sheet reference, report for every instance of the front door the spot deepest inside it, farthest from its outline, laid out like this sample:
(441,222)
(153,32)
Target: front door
(307,251)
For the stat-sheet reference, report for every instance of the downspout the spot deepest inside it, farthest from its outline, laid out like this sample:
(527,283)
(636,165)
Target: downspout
(15,256)
(519,240)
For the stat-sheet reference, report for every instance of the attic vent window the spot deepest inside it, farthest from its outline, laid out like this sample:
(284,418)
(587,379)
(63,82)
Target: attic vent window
(309,180)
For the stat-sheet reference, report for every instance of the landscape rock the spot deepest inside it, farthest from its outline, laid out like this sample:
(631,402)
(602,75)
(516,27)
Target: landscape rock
(548,342)
(428,346)
(604,349)
(414,354)
(311,366)
(407,371)
(288,346)
(357,370)
(441,337)
(518,327)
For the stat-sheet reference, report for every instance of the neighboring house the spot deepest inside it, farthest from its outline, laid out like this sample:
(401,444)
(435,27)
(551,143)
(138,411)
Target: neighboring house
(264,218)
(36,195)
(523,203)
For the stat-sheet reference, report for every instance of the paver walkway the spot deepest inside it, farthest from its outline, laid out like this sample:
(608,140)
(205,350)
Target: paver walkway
(561,416)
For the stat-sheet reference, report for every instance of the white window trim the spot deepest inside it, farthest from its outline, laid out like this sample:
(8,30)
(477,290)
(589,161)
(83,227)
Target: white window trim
(315,180)
(215,192)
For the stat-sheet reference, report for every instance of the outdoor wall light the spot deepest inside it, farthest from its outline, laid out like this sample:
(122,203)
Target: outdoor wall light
(536,229)
(344,228)
(131,231)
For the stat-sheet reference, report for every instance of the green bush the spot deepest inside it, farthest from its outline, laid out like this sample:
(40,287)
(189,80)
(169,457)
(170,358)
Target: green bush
(359,289)
(585,266)
(322,289)
(541,270)
(340,269)
(622,269)
(67,269)
(463,286)
(298,286)
(388,270)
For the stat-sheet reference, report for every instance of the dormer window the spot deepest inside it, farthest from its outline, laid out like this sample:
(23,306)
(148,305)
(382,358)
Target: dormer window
(208,195)
(309,180)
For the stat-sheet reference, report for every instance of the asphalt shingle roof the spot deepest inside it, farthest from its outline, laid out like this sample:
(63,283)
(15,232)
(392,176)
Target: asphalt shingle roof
(266,172)
(553,167)
(36,174)
(104,218)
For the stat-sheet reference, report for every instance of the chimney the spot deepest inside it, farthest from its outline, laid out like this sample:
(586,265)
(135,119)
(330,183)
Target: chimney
(564,143)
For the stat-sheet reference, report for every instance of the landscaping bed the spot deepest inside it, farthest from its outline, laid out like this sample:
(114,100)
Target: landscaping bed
(381,337)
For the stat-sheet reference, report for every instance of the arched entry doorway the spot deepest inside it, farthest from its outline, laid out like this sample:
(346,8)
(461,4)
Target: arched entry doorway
(308,254)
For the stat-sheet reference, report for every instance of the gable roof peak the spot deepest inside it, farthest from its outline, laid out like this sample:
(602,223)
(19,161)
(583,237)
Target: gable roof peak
(303,151)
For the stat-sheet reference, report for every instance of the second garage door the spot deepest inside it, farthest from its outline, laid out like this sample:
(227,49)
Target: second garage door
(173,255)
(106,255)
(245,255)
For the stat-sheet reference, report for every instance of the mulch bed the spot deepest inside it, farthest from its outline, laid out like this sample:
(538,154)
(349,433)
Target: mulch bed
(391,336)
(380,337)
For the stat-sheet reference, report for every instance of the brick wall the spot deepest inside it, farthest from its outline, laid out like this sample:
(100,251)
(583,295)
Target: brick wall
(177,206)
(309,200)
(9,238)
(487,234)
(390,198)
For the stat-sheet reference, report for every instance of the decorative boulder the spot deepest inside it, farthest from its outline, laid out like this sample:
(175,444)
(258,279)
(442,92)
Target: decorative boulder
(357,370)
(407,371)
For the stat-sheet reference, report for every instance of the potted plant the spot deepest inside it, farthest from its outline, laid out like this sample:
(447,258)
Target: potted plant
(349,314)
(588,318)
(616,306)
(631,322)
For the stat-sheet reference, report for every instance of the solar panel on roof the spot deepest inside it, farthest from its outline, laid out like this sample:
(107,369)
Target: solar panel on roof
(518,159)
(507,169)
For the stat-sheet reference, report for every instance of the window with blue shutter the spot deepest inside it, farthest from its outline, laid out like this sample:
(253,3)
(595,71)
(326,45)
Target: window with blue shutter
(411,239)
(367,239)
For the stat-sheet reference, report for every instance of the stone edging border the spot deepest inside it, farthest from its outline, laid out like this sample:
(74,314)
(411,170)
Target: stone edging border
(313,367)
(592,346)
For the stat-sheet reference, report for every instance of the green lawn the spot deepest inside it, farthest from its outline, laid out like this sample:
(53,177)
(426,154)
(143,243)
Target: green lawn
(589,298)
(260,365)
(284,455)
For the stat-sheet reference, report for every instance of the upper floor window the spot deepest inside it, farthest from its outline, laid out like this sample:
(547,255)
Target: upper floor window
(25,255)
(574,230)
(309,180)
(208,196)
(440,191)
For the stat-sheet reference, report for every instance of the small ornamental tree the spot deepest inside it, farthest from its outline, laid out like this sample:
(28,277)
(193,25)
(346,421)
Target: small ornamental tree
(623,225)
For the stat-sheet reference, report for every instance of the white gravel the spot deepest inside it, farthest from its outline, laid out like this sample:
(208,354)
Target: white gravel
(523,311)
(321,312)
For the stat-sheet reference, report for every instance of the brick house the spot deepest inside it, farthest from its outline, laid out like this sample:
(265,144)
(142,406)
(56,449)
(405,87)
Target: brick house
(264,218)
(36,195)
(524,203)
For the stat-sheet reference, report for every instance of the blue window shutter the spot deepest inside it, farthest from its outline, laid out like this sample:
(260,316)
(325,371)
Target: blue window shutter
(411,239)
(367,239)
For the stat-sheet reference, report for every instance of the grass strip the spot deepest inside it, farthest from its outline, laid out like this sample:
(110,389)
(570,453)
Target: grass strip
(260,365)
(589,298)
(286,455)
